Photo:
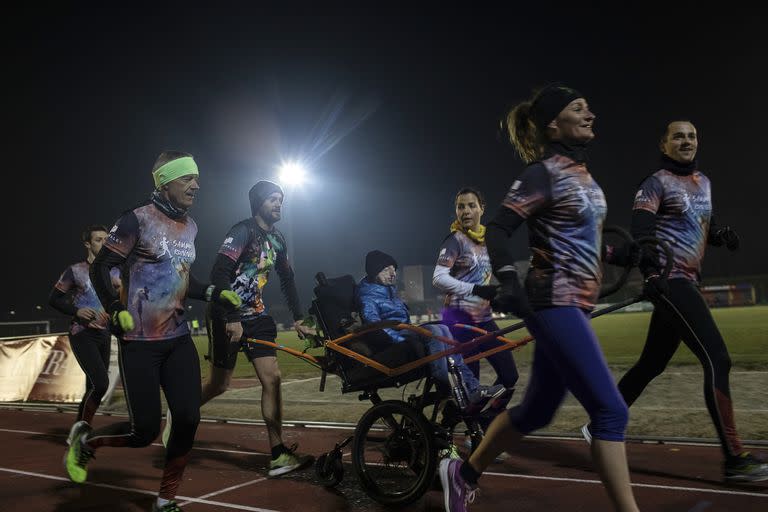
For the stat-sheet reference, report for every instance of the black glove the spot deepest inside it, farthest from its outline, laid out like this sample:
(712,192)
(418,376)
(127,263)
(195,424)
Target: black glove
(627,255)
(511,297)
(650,264)
(655,287)
(485,291)
(726,236)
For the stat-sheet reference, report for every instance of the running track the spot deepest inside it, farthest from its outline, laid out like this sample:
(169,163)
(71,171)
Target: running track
(226,473)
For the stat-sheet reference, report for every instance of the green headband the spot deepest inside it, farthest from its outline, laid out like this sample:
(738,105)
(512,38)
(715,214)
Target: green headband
(183,166)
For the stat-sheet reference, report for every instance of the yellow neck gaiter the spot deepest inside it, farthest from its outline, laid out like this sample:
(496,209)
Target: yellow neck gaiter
(478,236)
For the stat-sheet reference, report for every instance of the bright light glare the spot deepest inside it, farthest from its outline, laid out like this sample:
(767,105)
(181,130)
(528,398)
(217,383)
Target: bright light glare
(292,173)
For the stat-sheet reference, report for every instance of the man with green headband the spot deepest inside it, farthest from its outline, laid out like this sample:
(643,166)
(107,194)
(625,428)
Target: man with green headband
(154,244)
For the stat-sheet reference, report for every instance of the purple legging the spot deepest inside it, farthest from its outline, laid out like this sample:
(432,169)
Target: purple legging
(502,362)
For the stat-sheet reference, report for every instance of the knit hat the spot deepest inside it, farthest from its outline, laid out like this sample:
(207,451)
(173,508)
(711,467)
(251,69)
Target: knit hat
(260,192)
(376,261)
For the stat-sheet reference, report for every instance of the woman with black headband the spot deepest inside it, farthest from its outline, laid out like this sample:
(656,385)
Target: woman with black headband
(675,204)
(565,209)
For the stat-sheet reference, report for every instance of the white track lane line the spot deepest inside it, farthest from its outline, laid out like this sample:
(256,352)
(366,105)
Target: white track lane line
(139,491)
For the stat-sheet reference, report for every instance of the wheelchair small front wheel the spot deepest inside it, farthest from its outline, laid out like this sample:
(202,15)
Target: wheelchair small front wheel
(394,453)
(329,469)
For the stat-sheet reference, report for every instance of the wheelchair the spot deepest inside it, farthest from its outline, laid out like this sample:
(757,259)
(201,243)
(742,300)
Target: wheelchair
(396,444)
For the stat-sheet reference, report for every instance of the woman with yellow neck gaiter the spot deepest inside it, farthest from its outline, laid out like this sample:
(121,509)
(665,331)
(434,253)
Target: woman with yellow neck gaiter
(463,272)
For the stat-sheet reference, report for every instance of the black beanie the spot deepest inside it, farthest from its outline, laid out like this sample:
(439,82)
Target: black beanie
(376,261)
(260,192)
(550,101)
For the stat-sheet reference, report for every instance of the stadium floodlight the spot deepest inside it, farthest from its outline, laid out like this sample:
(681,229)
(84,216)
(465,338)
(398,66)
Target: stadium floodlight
(292,173)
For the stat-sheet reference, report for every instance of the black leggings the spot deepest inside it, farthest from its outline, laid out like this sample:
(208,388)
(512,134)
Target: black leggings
(91,348)
(695,326)
(145,366)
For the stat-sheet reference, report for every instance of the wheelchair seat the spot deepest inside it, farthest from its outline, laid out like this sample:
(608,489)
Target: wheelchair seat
(335,307)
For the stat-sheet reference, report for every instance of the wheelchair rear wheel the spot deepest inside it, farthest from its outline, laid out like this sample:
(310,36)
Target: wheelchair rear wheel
(394,453)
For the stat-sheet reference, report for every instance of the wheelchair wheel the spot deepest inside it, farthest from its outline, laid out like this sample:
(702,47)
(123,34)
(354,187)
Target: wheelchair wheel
(394,453)
(329,469)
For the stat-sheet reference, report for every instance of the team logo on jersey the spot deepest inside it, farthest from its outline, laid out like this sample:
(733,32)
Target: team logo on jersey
(176,250)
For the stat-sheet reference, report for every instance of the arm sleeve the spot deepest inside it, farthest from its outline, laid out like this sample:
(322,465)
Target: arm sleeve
(121,241)
(225,265)
(444,281)
(101,279)
(287,281)
(59,299)
(497,235)
(441,277)
(223,272)
(713,237)
(196,288)
(60,302)
(644,224)
(648,200)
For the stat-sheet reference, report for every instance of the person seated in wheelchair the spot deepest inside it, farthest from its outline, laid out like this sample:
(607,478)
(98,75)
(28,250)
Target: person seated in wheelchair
(378,301)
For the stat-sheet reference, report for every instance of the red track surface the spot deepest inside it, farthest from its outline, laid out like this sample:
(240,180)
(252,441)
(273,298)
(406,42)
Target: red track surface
(226,473)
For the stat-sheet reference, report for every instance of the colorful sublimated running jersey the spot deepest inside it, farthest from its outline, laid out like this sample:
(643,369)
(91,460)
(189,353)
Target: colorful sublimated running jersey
(469,262)
(565,209)
(683,208)
(159,252)
(76,282)
(256,252)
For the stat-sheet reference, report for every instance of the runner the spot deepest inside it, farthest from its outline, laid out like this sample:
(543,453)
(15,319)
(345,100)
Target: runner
(155,245)
(251,249)
(564,208)
(89,336)
(674,204)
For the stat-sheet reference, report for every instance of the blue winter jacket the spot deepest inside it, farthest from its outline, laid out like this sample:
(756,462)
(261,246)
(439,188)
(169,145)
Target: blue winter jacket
(379,303)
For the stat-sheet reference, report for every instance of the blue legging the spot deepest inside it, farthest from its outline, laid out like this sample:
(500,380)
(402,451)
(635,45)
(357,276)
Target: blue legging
(439,367)
(567,357)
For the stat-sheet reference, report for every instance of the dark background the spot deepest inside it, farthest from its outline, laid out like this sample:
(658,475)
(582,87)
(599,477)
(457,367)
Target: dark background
(394,110)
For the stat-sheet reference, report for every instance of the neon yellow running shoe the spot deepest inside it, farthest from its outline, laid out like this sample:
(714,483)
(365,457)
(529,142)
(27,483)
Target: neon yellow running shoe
(76,460)
(289,461)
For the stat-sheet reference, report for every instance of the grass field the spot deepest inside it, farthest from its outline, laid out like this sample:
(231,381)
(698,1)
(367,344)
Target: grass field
(672,405)
(622,335)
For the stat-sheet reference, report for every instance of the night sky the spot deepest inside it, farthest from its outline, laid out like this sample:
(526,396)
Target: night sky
(395,110)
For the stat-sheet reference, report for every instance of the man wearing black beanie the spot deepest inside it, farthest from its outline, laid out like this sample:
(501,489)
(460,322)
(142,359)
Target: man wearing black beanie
(251,250)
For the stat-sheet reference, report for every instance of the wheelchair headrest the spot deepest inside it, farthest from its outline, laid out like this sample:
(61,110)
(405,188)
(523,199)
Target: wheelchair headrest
(334,302)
